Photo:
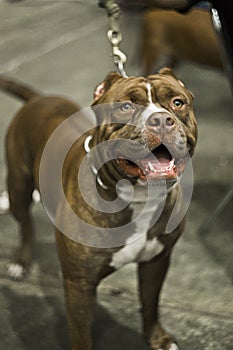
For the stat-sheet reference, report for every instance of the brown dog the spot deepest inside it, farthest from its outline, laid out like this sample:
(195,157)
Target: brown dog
(175,37)
(148,126)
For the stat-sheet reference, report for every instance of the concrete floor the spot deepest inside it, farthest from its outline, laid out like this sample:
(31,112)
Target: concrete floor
(61,47)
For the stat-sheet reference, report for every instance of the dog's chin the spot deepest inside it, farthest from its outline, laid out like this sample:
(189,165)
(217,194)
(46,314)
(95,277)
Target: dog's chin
(155,168)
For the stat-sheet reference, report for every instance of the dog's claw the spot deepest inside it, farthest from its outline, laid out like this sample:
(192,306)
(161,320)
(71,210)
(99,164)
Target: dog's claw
(15,271)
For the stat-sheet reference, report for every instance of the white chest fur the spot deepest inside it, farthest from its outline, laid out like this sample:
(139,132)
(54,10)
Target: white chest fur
(138,251)
(137,247)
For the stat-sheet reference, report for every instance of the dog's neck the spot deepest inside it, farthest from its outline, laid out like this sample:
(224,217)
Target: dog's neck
(93,168)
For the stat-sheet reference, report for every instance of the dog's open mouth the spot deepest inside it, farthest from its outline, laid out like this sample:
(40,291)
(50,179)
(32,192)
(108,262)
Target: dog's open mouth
(157,164)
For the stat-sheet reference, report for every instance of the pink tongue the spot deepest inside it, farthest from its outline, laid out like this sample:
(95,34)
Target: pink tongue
(159,164)
(163,160)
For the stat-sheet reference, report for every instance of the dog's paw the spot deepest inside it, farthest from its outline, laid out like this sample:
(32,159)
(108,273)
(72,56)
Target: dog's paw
(173,346)
(4,202)
(16,271)
(161,340)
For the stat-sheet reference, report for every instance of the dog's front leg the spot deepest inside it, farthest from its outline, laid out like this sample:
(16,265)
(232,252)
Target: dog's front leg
(80,302)
(151,277)
(80,283)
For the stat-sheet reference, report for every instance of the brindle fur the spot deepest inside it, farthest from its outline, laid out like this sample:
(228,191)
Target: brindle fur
(83,266)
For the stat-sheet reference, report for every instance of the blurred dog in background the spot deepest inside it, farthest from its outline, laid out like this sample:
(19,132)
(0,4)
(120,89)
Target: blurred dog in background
(173,37)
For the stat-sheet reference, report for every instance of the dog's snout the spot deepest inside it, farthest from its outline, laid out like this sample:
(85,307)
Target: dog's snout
(160,120)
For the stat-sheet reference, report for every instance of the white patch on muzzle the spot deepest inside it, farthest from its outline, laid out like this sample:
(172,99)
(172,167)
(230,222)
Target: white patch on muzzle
(152,107)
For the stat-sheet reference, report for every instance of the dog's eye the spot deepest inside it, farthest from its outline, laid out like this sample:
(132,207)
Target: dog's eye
(177,102)
(127,106)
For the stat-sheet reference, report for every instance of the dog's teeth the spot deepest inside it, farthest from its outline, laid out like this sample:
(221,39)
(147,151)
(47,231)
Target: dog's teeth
(150,166)
(171,164)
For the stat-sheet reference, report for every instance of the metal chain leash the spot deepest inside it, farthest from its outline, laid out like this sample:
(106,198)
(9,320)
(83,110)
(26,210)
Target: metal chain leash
(114,34)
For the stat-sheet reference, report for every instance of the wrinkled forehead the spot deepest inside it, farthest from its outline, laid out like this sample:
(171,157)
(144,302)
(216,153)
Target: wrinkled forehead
(133,89)
(167,86)
(147,90)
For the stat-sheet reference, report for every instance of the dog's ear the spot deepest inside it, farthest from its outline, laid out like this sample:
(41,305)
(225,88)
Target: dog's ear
(169,71)
(103,87)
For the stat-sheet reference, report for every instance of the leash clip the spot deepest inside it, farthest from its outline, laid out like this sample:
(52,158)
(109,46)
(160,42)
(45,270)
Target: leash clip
(114,35)
(119,58)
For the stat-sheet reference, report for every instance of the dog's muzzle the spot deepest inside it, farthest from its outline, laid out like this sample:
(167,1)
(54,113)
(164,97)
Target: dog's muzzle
(157,160)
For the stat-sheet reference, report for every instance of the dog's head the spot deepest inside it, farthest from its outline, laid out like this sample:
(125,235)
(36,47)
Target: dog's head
(153,117)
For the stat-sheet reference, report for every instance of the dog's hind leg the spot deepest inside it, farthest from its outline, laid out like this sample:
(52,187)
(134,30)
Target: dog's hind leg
(20,188)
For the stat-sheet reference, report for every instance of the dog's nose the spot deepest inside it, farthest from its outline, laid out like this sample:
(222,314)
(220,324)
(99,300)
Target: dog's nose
(160,121)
